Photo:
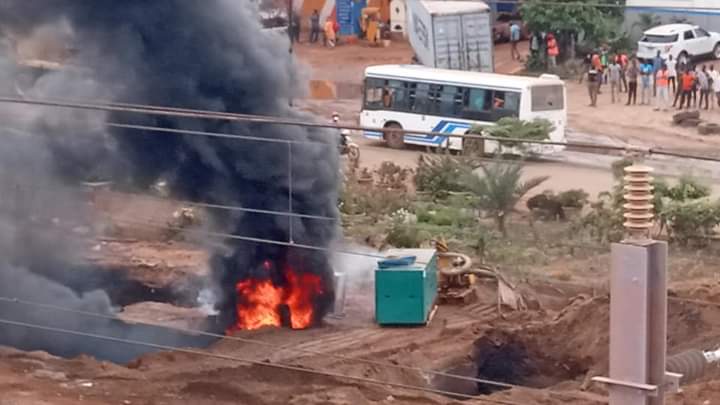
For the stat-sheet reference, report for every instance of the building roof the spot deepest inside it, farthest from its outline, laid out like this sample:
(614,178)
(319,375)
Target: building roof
(669,29)
(459,77)
(455,7)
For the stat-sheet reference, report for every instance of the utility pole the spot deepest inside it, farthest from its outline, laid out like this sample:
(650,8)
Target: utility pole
(638,303)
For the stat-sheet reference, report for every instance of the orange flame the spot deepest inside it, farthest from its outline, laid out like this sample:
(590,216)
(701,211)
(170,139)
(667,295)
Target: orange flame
(259,301)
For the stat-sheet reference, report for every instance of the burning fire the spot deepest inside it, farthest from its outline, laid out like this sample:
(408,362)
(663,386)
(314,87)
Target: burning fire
(260,301)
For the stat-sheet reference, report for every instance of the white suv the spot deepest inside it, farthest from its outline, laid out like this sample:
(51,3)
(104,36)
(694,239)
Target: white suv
(682,41)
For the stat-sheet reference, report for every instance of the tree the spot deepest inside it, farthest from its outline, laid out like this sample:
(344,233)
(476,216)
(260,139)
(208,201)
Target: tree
(646,21)
(573,20)
(500,188)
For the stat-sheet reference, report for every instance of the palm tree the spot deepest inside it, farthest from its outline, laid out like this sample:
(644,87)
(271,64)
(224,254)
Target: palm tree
(500,188)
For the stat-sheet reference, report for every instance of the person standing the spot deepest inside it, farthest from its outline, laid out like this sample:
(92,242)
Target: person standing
(314,26)
(552,50)
(604,61)
(672,72)
(329,33)
(535,45)
(645,79)
(632,77)
(656,65)
(597,64)
(688,83)
(593,83)
(295,27)
(614,77)
(693,72)
(587,62)
(622,86)
(679,91)
(703,83)
(662,78)
(715,84)
(514,39)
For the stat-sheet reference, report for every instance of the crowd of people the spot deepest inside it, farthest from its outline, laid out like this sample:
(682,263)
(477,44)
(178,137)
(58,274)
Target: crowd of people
(329,30)
(660,81)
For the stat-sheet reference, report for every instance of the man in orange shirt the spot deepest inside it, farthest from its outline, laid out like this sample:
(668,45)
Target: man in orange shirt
(662,82)
(552,50)
(688,84)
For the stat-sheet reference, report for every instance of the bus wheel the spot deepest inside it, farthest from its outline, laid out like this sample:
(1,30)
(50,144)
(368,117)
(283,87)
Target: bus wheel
(395,139)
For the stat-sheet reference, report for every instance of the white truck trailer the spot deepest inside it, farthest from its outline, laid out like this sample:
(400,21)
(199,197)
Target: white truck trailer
(451,34)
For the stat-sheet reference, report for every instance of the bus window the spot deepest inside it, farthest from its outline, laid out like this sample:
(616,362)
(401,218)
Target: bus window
(478,105)
(547,98)
(421,102)
(506,104)
(449,101)
(374,94)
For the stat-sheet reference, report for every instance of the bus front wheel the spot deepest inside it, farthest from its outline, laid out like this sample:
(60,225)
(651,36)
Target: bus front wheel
(395,138)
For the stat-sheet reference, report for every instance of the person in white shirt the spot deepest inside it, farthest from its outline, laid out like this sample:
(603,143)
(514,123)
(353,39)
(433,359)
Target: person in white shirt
(672,72)
(715,83)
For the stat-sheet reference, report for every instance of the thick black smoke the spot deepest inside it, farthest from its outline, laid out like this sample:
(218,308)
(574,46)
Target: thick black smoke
(209,54)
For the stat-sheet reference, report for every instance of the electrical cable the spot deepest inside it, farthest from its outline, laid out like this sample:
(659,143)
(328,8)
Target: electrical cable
(275,346)
(204,114)
(246,361)
(177,112)
(261,343)
(232,207)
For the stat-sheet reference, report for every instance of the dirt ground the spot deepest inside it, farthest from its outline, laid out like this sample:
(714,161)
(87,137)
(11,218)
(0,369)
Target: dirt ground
(554,347)
(557,346)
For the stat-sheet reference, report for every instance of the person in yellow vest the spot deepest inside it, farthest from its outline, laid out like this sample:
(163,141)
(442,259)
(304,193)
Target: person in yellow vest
(662,82)
(329,33)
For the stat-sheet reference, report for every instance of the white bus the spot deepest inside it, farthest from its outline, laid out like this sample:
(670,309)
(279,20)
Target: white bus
(418,98)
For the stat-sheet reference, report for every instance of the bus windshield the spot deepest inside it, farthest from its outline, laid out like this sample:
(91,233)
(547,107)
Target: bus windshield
(547,98)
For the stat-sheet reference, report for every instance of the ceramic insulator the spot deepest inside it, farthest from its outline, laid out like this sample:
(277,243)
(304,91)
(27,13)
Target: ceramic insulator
(638,201)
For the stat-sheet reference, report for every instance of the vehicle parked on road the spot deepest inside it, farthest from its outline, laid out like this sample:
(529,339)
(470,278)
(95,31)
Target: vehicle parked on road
(683,41)
(418,98)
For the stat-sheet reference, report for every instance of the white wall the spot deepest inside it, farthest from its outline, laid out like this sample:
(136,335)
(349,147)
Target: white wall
(711,4)
(705,13)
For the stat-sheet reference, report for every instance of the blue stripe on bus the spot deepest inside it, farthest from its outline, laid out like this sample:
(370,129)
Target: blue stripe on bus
(374,134)
(447,127)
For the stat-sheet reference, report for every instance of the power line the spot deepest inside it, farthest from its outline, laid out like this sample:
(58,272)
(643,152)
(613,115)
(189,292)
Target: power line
(263,119)
(261,343)
(248,361)
(234,208)
(188,331)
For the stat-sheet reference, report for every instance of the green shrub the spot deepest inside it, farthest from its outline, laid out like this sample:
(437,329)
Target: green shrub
(445,216)
(575,198)
(406,235)
(441,175)
(689,221)
(538,129)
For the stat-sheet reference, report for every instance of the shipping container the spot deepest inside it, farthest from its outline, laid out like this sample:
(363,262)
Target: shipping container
(451,34)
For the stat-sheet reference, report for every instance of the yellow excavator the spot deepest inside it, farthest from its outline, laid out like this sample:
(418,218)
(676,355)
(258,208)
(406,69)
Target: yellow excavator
(457,278)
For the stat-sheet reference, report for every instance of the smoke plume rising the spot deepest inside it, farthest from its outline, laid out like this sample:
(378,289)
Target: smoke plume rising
(208,55)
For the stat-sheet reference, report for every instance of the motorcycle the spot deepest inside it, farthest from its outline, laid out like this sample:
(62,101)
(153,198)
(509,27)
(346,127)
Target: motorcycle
(347,146)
